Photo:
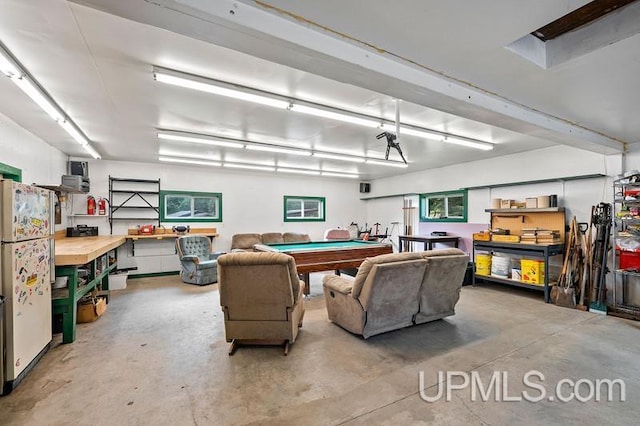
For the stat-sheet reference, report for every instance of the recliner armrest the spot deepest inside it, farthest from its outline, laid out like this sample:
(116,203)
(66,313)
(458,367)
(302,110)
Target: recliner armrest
(216,255)
(338,284)
(190,258)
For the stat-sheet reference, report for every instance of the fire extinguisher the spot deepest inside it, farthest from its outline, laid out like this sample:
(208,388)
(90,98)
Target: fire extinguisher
(91,205)
(102,206)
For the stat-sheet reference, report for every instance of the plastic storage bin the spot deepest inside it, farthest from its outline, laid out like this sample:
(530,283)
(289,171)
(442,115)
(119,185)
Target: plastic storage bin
(483,264)
(532,271)
(118,281)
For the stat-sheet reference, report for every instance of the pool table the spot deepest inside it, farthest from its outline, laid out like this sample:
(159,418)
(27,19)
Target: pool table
(316,256)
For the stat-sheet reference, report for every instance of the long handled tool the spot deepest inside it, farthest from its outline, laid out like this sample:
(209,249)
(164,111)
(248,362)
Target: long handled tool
(563,294)
(587,247)
(603,219)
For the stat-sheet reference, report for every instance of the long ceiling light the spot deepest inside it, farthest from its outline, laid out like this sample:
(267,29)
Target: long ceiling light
(252,166)
(298,171)
(266,148)
(178,136)
(189,161)
(203,140)
(236,91)
(13,69)
(217,87)
(341,157)
(249,167)
(386,163)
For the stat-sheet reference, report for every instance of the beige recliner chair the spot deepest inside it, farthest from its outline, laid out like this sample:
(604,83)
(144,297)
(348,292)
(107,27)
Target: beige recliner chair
(441,285)
(382,297)
(393,291)
(261,297)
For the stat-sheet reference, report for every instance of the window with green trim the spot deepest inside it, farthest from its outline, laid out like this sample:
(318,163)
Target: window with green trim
(10,172)
(304,209)
(444,206)
(181,206)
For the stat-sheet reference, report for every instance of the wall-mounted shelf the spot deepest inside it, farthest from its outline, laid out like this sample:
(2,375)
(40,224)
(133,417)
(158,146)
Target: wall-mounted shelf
(134,200)
(90,215)
(61,188)
(535,182)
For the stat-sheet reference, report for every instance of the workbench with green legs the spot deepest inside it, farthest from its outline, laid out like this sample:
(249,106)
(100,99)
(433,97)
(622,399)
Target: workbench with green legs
(73,254)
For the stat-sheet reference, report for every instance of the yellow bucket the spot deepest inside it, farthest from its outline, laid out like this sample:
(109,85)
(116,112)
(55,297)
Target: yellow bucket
(483,264)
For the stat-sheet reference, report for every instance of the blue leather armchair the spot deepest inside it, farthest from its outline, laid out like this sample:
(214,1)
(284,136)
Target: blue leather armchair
(199,264)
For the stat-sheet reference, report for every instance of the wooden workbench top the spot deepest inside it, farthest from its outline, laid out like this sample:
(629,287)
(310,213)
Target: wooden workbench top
(81,250)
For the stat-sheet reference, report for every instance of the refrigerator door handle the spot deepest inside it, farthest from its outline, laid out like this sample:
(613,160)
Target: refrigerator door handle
(52,230)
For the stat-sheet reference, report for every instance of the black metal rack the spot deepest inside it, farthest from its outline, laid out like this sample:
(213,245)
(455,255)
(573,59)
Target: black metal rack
(539,251)
(124,193)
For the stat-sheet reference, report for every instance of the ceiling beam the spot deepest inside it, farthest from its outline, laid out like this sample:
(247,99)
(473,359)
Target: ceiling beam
(258,30)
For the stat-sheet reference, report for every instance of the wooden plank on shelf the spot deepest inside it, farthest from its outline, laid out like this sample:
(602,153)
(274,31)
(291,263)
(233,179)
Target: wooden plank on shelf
(551,220)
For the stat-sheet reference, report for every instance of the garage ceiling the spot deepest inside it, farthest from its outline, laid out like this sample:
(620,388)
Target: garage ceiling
(448,64)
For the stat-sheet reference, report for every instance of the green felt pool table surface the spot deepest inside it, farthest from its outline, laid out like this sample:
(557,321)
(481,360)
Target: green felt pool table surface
(323,245)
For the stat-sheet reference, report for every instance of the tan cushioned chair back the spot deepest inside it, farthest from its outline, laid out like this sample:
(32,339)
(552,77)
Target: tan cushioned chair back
(392,288)
(442,281)
(441,252)
(257,286)
(365,267)
(272,238)
(337,234)
(245,241)
(294,237)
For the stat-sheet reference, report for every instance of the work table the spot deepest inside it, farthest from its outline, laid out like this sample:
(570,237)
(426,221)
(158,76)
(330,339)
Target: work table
(80,250)
(71,253)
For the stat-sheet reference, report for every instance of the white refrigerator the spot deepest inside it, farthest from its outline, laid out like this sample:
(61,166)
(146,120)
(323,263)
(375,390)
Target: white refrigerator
(26,264)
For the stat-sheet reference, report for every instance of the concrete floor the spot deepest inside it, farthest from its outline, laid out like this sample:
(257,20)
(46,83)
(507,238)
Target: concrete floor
(158,356)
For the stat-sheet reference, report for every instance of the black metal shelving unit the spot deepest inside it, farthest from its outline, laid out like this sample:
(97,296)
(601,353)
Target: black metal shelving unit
(538,251)
(133,199)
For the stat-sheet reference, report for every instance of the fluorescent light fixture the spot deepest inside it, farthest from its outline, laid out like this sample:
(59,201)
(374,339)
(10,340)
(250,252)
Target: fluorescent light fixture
(6,65)
(304,107)
(341,157)
(298,171)
(246,166)
(217,88)
(421,133)
(200,140)
(387,163)
(468,143)
(91,151)
(187,161)
(342,175)
(37,97)
(75,133)
(170,153)
(12,68)
(278,149)
(344,117)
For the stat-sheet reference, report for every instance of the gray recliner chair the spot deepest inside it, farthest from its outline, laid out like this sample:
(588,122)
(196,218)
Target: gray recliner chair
(199,264)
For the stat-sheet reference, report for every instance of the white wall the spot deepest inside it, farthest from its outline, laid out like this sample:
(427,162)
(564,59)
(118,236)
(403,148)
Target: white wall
(554,162)
(40,162)
(252,202)
(551,163)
